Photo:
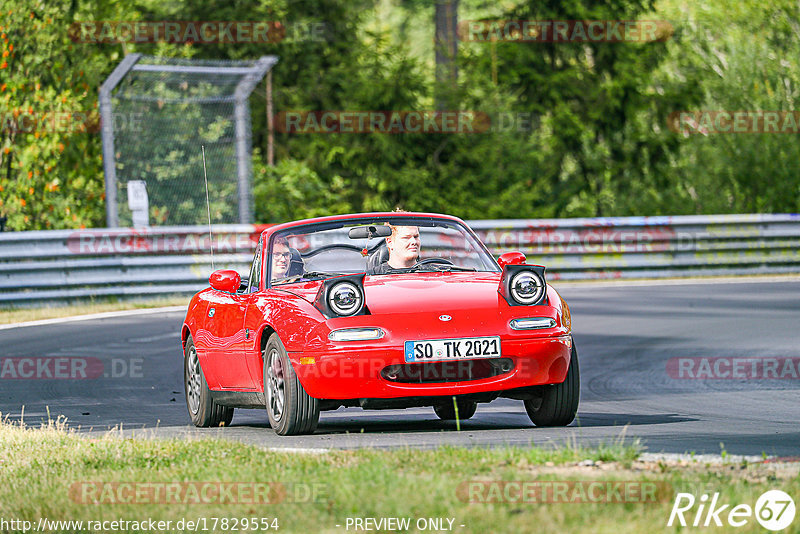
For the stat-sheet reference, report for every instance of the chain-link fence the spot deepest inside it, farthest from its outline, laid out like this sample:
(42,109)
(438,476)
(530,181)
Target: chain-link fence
(157,114)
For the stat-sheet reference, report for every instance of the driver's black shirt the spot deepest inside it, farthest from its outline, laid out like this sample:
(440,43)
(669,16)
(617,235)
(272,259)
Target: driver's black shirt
(385,268)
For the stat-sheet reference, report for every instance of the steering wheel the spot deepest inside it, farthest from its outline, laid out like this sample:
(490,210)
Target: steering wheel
(432,260)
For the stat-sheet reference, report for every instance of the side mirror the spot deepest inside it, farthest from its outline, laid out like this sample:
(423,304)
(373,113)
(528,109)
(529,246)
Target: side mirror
(511,258)
(243,283)
(223,280)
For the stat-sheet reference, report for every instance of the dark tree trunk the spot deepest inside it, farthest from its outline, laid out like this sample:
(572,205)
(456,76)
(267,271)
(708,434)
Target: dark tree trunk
(446,46)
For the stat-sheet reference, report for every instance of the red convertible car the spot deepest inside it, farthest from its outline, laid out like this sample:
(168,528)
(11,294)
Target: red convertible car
(378,310)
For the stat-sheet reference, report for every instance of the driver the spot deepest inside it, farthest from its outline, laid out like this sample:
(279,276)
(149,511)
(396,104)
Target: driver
(403,246)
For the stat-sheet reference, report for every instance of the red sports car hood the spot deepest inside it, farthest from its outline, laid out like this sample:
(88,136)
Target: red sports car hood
(409,293)
(415,292)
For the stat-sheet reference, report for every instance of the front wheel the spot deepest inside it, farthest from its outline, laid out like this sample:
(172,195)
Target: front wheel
(203,411)
(557,404)
(290,409)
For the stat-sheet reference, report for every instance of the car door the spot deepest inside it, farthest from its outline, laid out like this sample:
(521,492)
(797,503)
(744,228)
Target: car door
(227,350)
(253,319)
(227,368)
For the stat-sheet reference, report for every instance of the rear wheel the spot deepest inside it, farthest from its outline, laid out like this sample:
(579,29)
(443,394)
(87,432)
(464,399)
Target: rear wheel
(557,404)
(447,411)
(203,411)
(290,409)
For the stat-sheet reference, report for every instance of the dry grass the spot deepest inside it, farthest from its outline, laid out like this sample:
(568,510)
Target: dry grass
(41,467)
(50,311)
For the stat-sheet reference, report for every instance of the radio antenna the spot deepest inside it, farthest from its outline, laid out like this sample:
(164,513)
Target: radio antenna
(208,209)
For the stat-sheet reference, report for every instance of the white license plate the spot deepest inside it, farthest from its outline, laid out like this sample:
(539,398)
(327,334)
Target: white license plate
(452,349)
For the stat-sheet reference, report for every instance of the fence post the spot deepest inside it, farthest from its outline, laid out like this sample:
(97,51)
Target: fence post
(107,133)
(243,139)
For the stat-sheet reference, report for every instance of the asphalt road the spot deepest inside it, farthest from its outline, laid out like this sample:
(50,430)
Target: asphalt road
(625,335)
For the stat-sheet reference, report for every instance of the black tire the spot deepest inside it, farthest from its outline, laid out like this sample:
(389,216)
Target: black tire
(203,411)
(447,412)
(290,409)
(557,404)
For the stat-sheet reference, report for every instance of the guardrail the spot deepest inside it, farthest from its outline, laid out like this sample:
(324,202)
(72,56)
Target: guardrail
(652,247)
(67,264)
(124,262)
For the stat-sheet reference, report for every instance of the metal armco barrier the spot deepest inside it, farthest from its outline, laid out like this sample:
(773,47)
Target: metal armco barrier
(66,264)
(124,262)
(651,247)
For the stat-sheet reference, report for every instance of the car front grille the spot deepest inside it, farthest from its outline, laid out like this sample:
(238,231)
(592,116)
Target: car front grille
(450,371)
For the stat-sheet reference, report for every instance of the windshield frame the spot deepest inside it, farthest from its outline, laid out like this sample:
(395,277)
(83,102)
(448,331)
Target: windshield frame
(395,219)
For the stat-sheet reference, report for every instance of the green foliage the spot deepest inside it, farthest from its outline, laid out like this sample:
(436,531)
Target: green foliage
(50,176)
(292,190)
(740,56)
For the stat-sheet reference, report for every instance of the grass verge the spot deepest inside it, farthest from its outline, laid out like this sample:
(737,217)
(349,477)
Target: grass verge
(23,314)
(51,472)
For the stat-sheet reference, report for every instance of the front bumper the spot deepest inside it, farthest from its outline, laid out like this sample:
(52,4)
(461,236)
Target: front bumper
(354,372)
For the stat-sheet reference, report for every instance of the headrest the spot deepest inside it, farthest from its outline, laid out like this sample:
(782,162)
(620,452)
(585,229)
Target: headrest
(381,255)
(296,264)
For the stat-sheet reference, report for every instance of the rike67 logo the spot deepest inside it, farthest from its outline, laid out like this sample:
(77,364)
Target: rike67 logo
(774,510)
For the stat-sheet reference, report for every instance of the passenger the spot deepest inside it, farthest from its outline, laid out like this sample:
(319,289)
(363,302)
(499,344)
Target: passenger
(281,258)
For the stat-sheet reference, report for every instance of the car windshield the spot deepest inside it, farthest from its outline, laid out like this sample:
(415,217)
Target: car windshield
(379,247)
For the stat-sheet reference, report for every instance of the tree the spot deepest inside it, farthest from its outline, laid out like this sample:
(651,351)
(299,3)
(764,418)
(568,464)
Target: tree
(741,57)
(50,158)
